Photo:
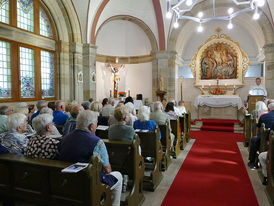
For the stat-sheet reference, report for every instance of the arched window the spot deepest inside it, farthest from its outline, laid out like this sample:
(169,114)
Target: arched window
(27,71)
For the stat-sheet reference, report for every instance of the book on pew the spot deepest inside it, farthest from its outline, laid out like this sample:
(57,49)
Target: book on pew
(75,167)
(102,127)
(143,130)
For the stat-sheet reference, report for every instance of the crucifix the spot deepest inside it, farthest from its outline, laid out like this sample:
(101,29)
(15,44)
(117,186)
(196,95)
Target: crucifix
(115,68)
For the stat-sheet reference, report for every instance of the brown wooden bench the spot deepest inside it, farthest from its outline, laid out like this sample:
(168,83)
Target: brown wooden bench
(187,125)
(175,127)
(151,147)
(247,130)
(270,169)
(166,144)
(41,182)
(125,158)
(103,134)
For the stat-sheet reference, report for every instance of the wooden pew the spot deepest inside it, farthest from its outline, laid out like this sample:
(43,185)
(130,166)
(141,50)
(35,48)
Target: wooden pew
(125,157)
(41,181)
(264,134)
(270,169)
(103,134)
(166,144)
(263,147)
(187,125)
(151,147)
(177,132)
(247,130)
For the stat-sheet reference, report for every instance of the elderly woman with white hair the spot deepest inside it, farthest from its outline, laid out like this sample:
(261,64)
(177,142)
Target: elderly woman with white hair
(14,140)
(82,143)
(143,122)
(42,145)
(121,131)
(131,113)
(47,110)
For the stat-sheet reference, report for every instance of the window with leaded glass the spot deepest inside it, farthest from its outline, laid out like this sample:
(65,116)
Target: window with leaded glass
(4,11)
(45,27)
(25,14)
(27,74)
(5,70)
(47,74)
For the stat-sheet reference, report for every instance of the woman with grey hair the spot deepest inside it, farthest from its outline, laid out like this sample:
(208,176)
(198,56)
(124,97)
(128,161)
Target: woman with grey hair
(42,145)
(121,131)
(97,107)
(47,110)
(143,122)
(14,140)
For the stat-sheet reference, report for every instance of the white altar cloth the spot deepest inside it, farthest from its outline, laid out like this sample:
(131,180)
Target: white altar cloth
(218,101)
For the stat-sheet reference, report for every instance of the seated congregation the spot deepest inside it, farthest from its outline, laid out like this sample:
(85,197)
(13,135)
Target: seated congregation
(259,134)
(128,155)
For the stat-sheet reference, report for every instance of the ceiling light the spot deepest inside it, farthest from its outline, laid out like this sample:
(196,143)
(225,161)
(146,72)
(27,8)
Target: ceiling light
(256,16)
(260,3)
(200,14)
(189,2)
(176,24)
(230,25)
(168,15)
(230,10)
(200,28)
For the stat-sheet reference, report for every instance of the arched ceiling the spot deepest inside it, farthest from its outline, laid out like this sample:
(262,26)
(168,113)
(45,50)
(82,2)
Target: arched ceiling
(150,11)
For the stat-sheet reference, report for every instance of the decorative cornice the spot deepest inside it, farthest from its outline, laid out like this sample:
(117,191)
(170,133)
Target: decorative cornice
(124,60)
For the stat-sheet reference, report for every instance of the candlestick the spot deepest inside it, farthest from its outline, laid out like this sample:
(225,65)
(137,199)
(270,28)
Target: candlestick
(129,92)
(110,95)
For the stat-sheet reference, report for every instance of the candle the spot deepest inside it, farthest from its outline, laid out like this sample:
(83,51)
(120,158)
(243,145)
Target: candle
(225,84)
(202,86)
(209,85)
(234,86)
(128,92)
(110,92)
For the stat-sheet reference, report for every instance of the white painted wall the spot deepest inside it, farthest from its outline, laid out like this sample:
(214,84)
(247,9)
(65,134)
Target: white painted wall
(136,77)
(141,9)
(122,38)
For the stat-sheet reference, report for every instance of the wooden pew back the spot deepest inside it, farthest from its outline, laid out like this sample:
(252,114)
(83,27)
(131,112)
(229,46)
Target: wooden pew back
(166,143)
(151,147)
(270,168)
(125,158)
(177,132)
(264,134)
(247,130)
(40,181)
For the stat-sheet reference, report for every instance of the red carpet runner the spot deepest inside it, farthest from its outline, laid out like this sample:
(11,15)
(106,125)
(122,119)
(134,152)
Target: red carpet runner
(213,174)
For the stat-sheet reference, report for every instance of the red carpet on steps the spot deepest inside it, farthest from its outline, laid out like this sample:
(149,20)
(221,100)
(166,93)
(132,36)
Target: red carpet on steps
(225,125)
(213,174)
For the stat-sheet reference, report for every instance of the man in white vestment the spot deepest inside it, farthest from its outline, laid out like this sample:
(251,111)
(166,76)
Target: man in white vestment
(258,89)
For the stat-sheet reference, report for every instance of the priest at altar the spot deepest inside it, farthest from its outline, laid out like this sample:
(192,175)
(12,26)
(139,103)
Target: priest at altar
(258,89)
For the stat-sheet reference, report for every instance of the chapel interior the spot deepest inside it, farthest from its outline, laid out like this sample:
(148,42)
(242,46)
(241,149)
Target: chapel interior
(74,50)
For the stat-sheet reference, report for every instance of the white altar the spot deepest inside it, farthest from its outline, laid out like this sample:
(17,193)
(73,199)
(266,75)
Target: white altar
(218,106)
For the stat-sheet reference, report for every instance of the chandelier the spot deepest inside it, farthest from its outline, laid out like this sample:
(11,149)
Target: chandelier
(181,7)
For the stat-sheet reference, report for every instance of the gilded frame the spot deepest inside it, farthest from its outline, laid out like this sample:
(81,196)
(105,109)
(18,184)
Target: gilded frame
(226,42)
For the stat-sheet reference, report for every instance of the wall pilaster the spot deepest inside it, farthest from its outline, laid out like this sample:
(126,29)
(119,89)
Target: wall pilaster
(164,68)
(269,69)
(89,71)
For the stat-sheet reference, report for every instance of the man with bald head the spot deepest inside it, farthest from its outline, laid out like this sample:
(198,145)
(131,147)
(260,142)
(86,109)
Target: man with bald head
(71,124)
(59,117)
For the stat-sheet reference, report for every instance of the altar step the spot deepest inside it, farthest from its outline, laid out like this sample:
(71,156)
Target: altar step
(223,125)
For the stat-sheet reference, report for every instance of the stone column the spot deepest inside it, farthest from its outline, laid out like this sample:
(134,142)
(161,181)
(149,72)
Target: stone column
(65,88)
(164,69)
(89,71)
(76,65)
(269,69)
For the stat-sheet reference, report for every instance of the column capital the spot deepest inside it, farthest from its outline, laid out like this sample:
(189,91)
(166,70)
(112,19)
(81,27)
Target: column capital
(165,54)
(76,47)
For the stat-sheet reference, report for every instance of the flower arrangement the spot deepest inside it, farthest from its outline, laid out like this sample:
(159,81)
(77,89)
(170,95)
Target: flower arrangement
(122,94)
(217,91)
